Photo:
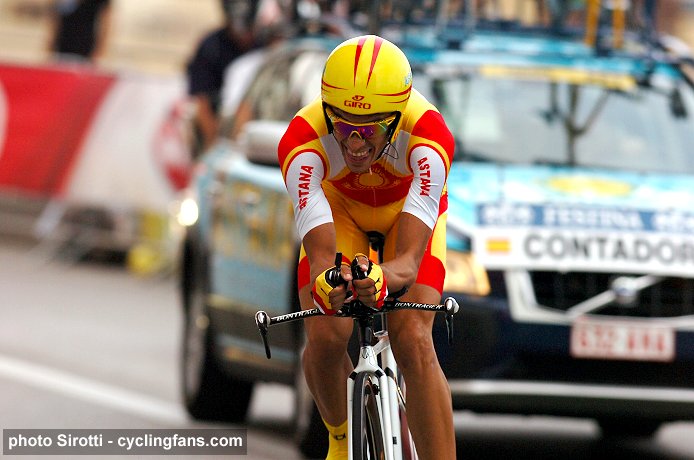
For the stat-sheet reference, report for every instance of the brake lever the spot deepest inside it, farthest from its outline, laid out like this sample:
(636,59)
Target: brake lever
(451,309)
(262,320)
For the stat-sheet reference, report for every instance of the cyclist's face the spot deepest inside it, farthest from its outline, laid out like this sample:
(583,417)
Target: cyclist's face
(361,137)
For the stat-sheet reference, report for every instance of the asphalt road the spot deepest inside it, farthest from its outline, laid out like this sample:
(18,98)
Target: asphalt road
(90,346)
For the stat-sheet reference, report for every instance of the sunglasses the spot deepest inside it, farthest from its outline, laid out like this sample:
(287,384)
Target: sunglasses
(364,130)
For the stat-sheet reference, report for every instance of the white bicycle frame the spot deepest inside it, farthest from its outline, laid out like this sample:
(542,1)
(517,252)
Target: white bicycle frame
(388,403)
(386,375)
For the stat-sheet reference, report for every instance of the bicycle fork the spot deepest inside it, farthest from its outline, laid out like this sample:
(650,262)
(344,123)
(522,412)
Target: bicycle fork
(389,366)
(387,401)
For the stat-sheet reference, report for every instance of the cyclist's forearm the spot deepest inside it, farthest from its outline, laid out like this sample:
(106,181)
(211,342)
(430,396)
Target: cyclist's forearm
(400,273)
(319,244)
(413,237)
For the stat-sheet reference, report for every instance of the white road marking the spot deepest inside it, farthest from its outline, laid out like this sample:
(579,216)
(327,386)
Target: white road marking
(100,393)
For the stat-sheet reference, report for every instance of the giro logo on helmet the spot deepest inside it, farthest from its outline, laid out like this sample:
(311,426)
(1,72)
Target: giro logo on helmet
(357,105)
(357,98)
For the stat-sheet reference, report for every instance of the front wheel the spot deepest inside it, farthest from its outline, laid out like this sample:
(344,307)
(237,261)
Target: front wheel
(366,432)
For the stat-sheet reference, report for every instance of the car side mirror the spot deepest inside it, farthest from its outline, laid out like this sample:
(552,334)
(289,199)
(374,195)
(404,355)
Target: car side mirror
(260,139)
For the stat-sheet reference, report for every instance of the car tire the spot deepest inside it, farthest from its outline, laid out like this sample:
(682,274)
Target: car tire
(208,392)
(631,427)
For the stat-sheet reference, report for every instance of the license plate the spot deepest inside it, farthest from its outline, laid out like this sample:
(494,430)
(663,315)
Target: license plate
(622,340)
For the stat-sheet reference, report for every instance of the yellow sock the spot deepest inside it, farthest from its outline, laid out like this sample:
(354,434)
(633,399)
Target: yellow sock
(337,436)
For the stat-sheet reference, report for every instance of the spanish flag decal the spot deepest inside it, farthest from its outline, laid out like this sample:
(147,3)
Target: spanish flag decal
(498,245)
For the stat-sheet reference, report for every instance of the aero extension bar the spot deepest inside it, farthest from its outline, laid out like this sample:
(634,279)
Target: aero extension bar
(356,310)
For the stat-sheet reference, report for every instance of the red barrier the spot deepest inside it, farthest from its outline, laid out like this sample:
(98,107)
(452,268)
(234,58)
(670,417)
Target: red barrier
(46,114)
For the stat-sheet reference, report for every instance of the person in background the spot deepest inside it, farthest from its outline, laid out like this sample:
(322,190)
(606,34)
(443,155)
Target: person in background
(205,71)
(79,29)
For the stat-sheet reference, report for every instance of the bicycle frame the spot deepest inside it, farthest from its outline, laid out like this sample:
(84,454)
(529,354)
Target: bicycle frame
(386,374)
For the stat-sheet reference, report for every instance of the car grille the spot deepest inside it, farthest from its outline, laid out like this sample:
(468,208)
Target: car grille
(670,297)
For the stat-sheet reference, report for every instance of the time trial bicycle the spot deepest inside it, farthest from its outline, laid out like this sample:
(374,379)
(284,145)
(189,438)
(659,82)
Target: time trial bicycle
(376,409)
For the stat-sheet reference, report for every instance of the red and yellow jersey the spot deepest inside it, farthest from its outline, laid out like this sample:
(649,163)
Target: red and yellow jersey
(410,176)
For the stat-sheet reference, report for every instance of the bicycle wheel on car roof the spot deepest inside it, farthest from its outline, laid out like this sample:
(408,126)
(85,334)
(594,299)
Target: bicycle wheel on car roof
(366,435)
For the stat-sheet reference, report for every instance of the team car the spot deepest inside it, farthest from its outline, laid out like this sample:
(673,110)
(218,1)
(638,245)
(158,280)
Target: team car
(570,244)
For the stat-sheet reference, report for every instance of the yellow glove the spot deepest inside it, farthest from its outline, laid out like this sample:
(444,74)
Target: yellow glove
(325,283)
(373,272)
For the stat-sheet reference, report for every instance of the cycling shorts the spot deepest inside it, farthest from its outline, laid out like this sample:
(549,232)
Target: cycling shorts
(353,220)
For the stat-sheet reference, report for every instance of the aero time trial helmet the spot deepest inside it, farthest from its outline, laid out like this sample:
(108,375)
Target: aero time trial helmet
(366,75)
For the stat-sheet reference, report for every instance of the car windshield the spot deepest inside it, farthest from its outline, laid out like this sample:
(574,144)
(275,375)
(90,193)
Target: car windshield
(500,117)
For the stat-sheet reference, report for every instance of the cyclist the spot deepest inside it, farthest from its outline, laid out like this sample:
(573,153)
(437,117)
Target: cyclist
(371,154)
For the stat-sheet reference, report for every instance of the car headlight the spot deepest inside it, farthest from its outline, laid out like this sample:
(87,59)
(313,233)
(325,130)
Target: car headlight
(187,213)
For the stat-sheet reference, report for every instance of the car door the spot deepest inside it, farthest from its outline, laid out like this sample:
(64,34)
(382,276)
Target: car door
(252,239)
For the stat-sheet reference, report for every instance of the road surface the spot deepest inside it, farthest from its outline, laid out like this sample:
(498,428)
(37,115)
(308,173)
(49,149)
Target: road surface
(89,345)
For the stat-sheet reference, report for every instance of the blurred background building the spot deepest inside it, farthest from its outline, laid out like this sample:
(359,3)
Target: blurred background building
(93,150)
(159,35)
(136,87)
(153,36)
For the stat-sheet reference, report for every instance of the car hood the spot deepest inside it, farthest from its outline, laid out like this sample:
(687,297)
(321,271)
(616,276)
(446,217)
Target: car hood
(574,218)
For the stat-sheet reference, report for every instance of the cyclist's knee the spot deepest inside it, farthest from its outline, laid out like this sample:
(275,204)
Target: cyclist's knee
(414,350)
(328,339)
(330,346)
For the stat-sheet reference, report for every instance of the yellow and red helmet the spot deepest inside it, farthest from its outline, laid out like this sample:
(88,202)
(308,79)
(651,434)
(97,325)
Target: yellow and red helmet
(366,75)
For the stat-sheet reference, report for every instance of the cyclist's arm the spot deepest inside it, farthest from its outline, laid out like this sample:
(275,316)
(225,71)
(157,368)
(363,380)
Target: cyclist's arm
(420,213)
(303,177)
(319,244)
(313,215)
(413,237)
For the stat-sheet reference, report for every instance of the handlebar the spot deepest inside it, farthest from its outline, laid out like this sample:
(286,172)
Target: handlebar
(356,310)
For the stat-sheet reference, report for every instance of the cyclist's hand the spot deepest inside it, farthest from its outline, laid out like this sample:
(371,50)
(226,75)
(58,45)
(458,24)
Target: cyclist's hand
(368,281)
(330,290)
